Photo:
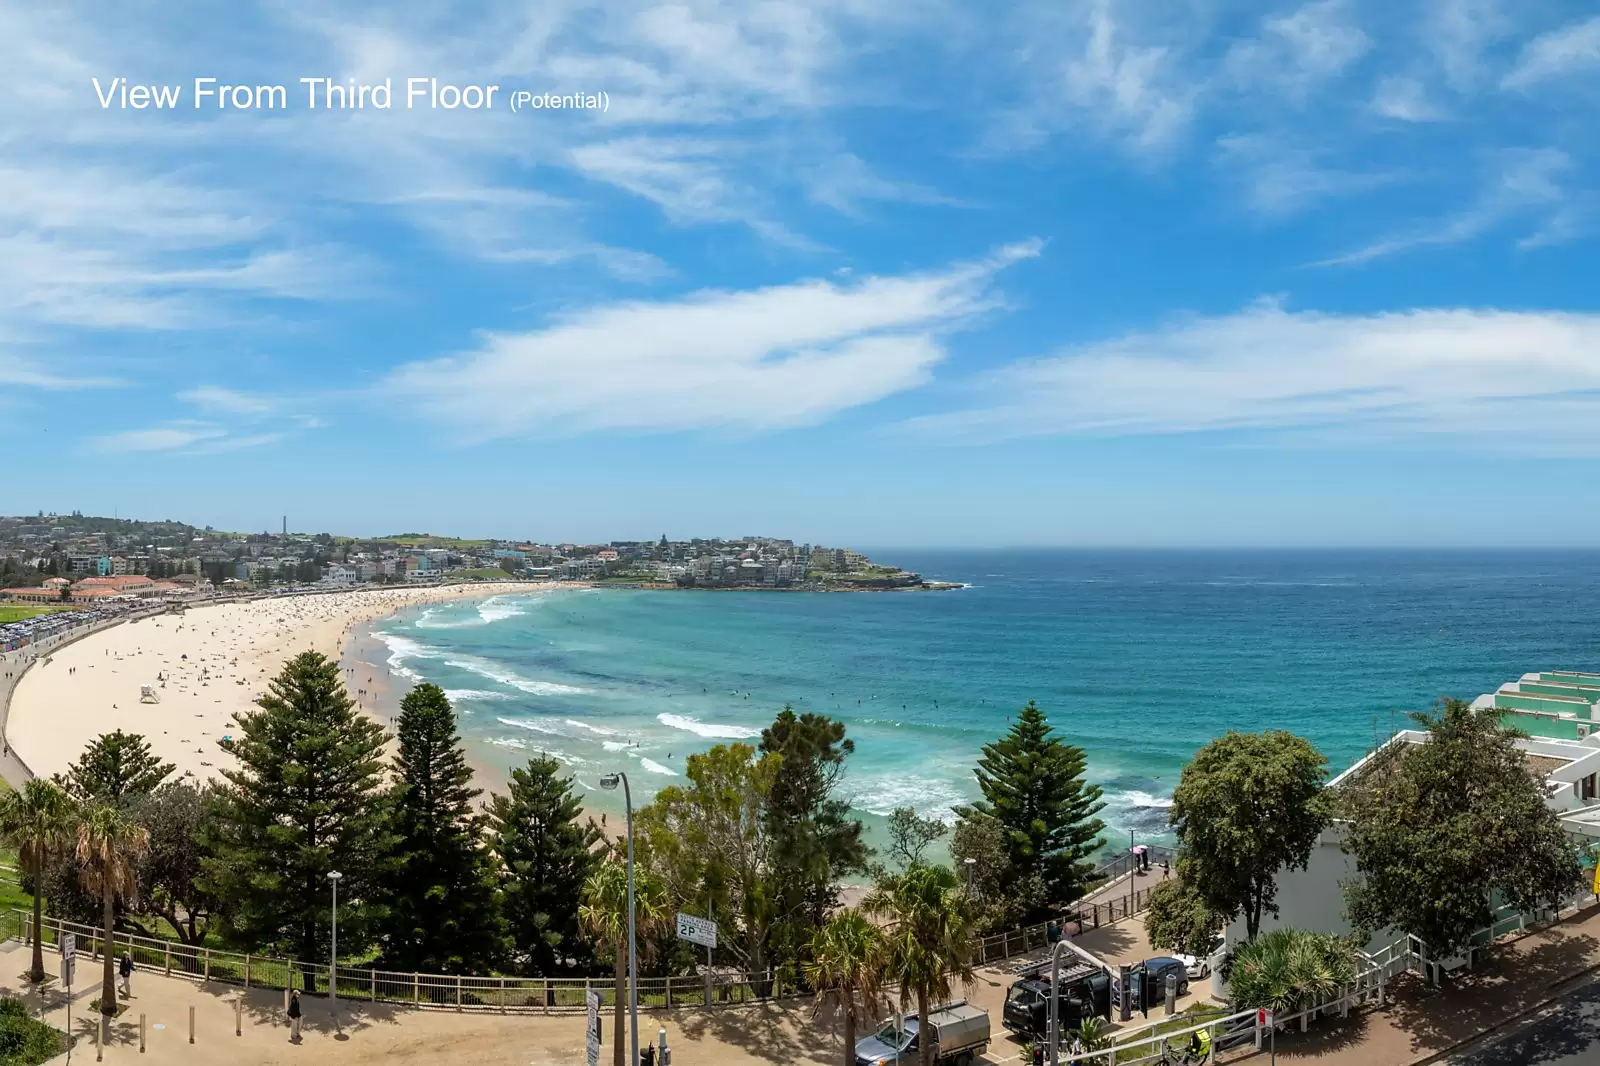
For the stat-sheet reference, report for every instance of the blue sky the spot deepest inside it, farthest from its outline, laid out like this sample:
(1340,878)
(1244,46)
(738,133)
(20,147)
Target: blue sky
(854,271)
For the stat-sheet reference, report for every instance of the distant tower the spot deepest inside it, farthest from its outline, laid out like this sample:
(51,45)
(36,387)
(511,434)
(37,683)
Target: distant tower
(286,525)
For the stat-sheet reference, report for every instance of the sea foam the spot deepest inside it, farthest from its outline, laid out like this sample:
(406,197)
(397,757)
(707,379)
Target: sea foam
(705,729)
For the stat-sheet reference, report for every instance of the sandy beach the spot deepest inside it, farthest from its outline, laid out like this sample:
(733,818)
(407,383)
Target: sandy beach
(205,665)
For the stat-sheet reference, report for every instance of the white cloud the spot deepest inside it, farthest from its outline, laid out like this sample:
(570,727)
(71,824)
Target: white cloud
(1300,50)
(1521,184)
(216,398)
(1405,99)
(1459,33)
(745,361)
(1560,53)
(157,439)
(1498,380)
(1281,179)
(1127,87)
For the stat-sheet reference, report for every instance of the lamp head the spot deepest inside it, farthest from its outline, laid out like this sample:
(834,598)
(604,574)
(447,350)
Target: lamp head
(334,875)
(609,782)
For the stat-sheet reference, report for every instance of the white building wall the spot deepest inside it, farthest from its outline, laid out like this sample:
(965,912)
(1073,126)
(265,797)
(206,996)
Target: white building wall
(1312,898)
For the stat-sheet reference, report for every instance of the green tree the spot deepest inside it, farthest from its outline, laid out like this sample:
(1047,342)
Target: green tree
(815,840)
(1033,787)
(927,938)
(443,913)
(116,766)
(1001,899)
(846,968)
(1247,806)
(38,821)
(604,913)
(110,847)
(1178,919)
(548,853)
(306,799)
(710,841)
(1440,830)
(172,872)
(910,835)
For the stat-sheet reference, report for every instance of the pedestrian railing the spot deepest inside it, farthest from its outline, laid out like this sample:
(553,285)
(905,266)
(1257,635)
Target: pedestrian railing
(1080,917)
(507,994)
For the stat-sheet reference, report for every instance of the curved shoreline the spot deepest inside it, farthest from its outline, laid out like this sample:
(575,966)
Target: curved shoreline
(53,716)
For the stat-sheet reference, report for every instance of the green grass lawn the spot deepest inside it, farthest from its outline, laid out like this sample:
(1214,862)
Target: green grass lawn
(16,612)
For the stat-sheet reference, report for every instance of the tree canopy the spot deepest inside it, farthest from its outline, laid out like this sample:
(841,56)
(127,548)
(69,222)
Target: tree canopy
(1033,788)
(1438,830)
(1247,806)
(442,914)
(116,766)
(548,852)
(306,799)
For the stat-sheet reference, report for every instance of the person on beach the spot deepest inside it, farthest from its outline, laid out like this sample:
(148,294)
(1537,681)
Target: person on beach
(125,971)
(294,1016)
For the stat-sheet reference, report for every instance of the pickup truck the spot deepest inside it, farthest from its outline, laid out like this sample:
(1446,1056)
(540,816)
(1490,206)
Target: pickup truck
(960,1034)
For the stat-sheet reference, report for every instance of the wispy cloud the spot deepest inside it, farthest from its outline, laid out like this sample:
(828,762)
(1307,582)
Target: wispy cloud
(1281,178)
(1295,52)
(222,400)
(745,361)
(1525,184)
(1405,99)
(1496,380)
(1560,53)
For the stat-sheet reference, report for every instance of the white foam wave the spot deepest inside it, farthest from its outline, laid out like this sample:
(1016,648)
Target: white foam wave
(496,609)
(656,768)
(496,672)
(928,797)
(705,729)
(510,742)
(615,745)
(602,730)
(457,695)
(1137,799)
(401,649)
(537,725)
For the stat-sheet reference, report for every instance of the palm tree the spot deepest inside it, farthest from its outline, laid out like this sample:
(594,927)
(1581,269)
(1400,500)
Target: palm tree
(109,849)
(847,966)
(928,937)
(37,821)
(604,913)
(1290,969)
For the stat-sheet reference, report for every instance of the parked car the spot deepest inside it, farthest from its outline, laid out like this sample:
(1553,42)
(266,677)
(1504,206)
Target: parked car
(1149,980)
(1194,966)
(960,1034)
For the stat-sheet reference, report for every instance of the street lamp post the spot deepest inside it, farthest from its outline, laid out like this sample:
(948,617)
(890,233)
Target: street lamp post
(609,783)
(1056,951)
(970,863)
(333,959)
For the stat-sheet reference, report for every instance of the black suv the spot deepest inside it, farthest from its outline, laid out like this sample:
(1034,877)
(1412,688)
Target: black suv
(1085,992)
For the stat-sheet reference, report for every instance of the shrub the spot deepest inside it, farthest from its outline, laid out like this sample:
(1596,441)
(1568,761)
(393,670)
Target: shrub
(1290,969)
(24,1040)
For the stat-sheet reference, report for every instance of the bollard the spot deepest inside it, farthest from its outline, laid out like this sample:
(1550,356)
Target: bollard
(99,1028)
(141,1034)
(1172,993)
(238,1016)
(191,1023)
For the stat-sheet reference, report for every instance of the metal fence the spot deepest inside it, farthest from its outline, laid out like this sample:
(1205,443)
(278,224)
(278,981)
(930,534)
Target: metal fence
(547,995)
(1079,918)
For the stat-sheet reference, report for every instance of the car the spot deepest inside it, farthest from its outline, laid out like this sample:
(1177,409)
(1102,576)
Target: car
(1152,976)
(1196,968)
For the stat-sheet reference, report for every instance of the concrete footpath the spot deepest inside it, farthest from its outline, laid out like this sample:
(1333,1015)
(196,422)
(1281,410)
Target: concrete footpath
(1421,1025)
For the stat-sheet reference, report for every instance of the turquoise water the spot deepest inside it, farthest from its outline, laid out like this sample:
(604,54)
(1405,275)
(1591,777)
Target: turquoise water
(1140,658)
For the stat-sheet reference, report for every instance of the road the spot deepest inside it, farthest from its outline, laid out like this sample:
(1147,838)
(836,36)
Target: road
(1567,1036)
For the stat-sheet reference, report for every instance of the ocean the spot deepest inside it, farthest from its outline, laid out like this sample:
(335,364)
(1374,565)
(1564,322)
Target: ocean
(1138,657)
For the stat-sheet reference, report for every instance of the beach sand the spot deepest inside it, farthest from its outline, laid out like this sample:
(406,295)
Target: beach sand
(206,664)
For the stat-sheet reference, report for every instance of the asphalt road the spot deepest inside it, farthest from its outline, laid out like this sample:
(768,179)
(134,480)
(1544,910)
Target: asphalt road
(1569,1036)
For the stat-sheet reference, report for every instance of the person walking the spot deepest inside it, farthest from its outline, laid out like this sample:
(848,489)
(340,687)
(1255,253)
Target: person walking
(125,971)
(294,1016)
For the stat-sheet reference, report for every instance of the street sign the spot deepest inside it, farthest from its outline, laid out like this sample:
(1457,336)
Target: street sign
(69,967)
(697,930)
(69,945)
(593,1028)
(1264,1018)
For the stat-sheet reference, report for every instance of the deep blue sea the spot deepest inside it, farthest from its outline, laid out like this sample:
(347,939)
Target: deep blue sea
(1138,657)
